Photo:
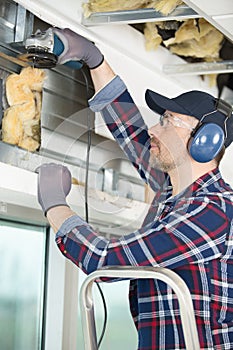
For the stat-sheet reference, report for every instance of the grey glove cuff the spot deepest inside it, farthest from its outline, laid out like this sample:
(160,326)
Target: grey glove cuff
(52,204)
(97,64)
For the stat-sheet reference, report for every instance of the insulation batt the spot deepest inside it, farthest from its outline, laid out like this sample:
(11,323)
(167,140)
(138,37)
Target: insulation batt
(191,41)
(152,37)
(21,121)
(163,6)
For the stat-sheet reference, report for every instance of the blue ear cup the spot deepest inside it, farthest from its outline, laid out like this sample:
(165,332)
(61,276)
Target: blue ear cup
(206,142)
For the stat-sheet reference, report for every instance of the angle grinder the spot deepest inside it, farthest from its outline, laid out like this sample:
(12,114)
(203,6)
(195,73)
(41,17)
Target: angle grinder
(43,49)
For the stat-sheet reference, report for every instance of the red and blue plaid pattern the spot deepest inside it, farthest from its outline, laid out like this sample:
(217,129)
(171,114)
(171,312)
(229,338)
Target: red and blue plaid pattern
(190,233)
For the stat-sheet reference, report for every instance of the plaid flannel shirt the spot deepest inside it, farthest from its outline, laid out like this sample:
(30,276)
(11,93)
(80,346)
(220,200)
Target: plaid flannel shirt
(190,233)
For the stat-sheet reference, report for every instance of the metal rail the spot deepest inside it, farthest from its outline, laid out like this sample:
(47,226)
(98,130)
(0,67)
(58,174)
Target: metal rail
(132,272)
(199,68)
(143,15)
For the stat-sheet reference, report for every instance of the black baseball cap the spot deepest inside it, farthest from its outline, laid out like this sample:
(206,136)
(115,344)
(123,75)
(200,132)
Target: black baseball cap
(196,104)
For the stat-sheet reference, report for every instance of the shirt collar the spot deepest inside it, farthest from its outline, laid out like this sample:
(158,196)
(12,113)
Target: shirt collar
(206,180)
(200,184)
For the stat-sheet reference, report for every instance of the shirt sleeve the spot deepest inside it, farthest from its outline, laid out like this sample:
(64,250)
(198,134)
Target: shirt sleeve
(127,126)
(191,233)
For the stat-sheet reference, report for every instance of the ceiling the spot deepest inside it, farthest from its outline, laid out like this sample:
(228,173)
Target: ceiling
(219,14)
(124,48)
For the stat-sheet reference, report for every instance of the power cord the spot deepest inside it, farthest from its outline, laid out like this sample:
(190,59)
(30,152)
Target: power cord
(89,133)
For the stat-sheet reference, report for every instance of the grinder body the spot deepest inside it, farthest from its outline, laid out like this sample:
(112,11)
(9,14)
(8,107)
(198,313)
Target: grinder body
(43,49)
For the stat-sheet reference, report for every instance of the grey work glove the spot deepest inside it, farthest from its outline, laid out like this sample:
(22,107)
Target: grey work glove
(54,184)
(76,47)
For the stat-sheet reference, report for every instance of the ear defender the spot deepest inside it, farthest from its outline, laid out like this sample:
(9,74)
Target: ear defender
(207,139)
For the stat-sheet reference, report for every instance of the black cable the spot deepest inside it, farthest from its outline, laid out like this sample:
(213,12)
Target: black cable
(105,316)
(89,131)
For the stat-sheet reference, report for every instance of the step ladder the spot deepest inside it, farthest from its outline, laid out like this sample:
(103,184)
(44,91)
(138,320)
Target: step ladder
(132,272)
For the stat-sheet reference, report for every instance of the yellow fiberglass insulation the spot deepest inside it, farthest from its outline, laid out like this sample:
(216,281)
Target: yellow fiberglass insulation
(164,6)
(21,121)
(199,41)
(193,41)
(152,37)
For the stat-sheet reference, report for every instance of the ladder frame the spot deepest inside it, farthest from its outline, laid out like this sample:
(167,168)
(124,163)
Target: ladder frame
(132,272)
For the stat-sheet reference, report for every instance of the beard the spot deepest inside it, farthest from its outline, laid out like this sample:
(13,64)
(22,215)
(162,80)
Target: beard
(161,164)
(164,160)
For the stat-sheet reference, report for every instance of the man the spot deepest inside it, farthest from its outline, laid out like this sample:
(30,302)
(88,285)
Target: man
(189,225)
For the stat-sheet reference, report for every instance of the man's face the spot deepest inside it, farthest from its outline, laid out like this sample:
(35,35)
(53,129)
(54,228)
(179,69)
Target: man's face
(169,140)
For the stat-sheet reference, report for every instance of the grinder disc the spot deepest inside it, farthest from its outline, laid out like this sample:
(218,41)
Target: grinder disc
(39,58)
